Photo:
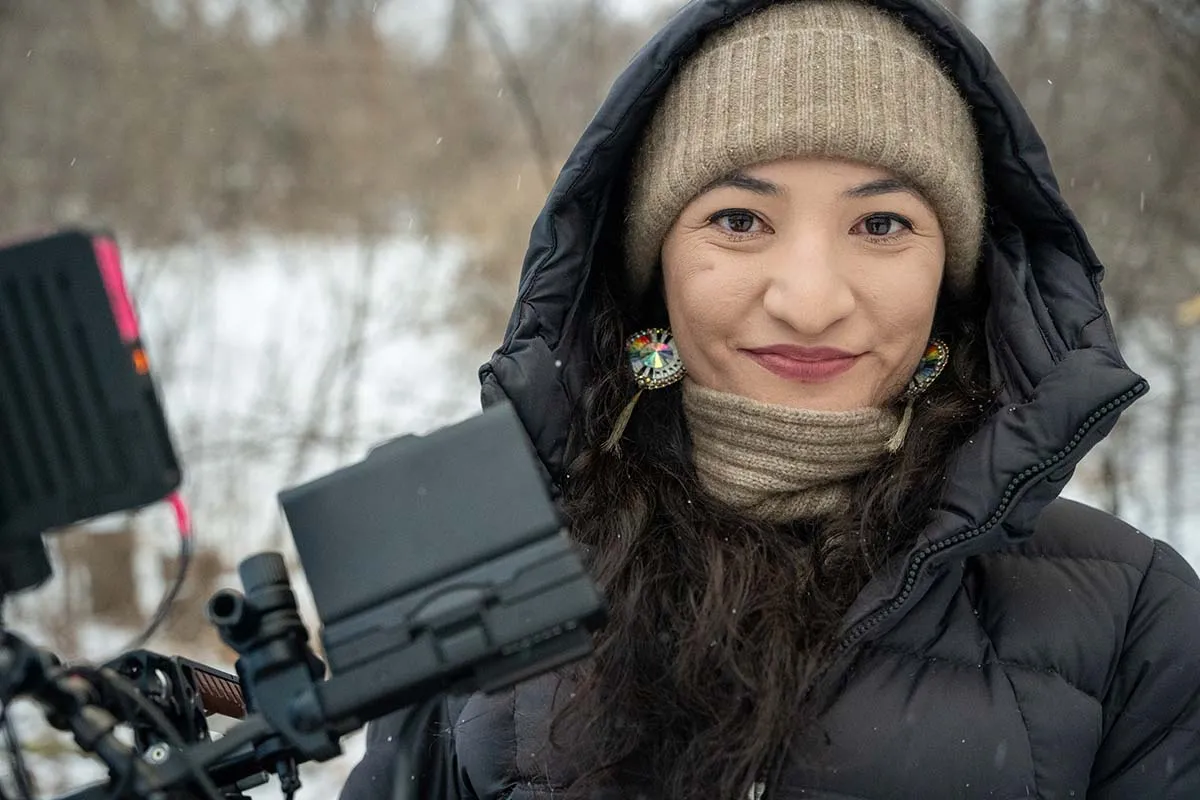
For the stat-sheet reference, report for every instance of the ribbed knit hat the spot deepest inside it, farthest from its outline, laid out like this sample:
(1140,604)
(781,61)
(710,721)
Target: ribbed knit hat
(827,78)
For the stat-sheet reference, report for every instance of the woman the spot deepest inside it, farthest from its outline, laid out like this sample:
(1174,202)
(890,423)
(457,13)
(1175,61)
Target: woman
(809,343)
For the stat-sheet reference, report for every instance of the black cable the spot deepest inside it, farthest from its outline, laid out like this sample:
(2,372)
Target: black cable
(19,769)
(122,786)
(186,548)
(127,712)
(168,600)
(118,682)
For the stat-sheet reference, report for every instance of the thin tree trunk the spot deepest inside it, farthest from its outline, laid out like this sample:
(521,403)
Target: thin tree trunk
(318,18)
(1175,447)
(1025,44)
(1070,67)
(1112,475)
(356,346)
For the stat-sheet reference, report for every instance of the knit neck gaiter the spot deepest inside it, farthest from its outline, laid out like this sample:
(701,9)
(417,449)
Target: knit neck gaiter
(778,463)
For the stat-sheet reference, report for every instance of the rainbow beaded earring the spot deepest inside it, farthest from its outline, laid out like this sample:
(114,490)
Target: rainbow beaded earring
(655,363)
(931,365)
(653,358)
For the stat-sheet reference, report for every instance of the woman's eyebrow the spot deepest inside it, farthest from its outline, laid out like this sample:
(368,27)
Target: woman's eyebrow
(882,186)
(740,180)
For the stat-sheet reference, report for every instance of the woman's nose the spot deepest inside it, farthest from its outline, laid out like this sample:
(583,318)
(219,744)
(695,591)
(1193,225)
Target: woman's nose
(806,290)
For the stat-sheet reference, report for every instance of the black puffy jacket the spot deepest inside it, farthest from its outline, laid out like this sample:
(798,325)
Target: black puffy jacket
(1026,646)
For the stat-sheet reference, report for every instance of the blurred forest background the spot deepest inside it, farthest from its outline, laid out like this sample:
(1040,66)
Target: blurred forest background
(325,205)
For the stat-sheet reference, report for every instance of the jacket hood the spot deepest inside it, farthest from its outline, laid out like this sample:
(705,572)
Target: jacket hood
(1050,338)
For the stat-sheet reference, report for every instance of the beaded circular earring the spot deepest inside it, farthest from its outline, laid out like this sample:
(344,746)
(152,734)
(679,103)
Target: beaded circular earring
(931,365)
(654,361)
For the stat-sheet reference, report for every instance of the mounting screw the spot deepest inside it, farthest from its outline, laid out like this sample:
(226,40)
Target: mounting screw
(158,754)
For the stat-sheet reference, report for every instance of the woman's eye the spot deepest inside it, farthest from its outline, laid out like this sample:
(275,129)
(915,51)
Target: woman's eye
(885,225)
(735,221)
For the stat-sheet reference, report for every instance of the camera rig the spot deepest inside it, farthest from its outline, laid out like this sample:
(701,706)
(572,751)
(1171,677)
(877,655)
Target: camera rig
(438,563)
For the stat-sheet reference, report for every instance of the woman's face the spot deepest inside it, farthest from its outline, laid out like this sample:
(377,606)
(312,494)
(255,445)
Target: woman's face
(806,282)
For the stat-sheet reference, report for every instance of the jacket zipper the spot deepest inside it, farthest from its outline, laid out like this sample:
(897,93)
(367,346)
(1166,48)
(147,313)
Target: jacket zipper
(918,561)
(1014,486)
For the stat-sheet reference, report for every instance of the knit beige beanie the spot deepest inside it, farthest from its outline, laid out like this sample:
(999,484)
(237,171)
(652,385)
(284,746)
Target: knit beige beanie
(827,78)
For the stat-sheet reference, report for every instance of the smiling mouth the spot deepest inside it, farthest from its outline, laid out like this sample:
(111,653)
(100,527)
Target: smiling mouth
(807,370)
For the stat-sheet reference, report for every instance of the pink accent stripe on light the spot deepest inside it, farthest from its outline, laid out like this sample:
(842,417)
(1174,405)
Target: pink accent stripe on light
(108,256)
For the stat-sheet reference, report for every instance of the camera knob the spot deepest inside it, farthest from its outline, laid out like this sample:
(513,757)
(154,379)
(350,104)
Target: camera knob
(263,571)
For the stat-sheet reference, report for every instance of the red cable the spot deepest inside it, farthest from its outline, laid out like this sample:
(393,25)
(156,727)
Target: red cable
(183,517)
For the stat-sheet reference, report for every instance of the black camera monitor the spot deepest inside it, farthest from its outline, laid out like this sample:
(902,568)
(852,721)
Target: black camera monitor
(448,546)
(82,431)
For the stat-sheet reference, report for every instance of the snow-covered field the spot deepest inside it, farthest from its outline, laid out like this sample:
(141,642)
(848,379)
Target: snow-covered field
(250,341)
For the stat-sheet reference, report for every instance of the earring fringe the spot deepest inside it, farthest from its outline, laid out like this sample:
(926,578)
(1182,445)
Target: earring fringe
(613,443)
(897,441)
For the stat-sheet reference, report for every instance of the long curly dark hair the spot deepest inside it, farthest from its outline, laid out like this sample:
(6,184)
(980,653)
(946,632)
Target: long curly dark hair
(718,624)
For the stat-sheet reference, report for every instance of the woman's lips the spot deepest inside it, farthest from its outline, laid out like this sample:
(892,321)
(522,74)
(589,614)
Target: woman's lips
(824,366)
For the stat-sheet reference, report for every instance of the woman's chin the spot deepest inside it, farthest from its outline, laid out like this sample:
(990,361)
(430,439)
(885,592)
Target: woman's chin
(833,395)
